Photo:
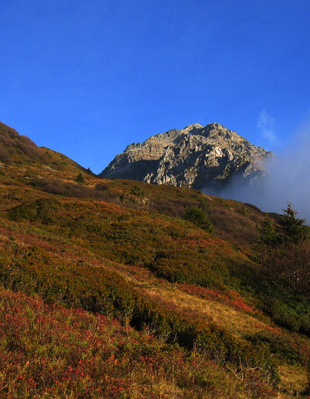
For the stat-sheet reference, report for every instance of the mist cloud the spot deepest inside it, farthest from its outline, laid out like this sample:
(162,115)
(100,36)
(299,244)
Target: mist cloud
(266,125)
(287,179)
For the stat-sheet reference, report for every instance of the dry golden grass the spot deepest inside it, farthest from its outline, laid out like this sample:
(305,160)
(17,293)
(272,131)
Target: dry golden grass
(161,389)
(233,221)
(236,322)
(293,379)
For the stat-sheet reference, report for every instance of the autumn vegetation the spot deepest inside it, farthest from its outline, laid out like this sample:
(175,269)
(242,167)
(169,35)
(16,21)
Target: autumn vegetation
(119,289)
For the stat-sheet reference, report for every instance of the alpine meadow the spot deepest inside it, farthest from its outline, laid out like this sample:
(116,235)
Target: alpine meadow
(115,288)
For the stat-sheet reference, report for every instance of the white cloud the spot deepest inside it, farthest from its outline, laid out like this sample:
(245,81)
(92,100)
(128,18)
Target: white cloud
(266,125)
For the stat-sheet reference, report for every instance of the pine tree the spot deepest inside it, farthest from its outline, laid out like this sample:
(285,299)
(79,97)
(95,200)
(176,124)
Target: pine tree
(284,250)
(268,234)
(292,229)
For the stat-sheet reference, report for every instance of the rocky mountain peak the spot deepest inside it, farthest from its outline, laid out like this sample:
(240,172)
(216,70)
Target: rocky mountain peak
(195,157)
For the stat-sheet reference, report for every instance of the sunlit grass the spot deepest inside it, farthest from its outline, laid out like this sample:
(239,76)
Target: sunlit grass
(132,256)
(293,379)
(47,350)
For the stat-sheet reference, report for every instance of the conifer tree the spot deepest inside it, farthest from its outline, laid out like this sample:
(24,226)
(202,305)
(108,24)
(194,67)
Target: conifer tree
(268,234)
(285,252)
(292,229)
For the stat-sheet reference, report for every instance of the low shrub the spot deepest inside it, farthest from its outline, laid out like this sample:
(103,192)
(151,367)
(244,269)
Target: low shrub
(199,218)
(280,345)
(80,178)
(34,271)
(58,187)
(136,190)
(50,351)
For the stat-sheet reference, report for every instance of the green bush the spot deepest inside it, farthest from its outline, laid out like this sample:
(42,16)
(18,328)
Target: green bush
(199,218)
(80,178)
(136,190)
(43,210)
(279,345)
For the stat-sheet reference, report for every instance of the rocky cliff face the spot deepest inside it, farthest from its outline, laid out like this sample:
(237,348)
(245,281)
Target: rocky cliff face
(195,157)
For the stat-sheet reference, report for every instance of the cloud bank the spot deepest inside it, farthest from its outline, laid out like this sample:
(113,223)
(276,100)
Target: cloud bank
(287,180)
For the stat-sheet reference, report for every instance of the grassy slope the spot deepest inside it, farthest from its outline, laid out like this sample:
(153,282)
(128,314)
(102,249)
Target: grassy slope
(50,351)
(121,248)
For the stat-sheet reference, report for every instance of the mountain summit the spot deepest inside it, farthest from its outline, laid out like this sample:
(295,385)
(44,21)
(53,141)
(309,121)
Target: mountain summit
(194,157)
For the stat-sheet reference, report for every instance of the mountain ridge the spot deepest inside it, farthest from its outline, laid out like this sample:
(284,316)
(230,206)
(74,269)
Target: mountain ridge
(194,157)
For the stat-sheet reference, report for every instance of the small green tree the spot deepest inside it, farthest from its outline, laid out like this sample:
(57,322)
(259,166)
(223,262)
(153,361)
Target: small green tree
(80,178)
(289,230)
(292,229)
(284,250)
(199,218)
(268,233)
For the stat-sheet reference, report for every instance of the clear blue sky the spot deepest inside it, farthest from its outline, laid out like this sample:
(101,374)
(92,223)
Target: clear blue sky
(88,77)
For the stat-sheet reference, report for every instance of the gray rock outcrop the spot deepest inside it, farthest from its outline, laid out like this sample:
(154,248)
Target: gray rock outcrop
(194,157)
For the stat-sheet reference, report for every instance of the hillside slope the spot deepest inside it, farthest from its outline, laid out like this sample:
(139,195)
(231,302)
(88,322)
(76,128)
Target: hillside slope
(111,288)
(19,150)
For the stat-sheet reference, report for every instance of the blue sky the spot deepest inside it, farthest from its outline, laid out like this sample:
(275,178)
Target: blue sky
(88,77)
